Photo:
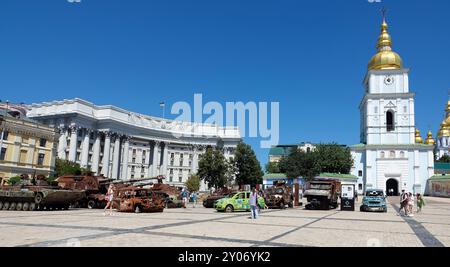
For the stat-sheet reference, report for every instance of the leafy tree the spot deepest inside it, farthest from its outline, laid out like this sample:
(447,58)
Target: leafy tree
(246,166)
(193,183)
(444,159)
(65,167)
(212,168)
(334,158)
(301,164)
(272,167)
(13,180)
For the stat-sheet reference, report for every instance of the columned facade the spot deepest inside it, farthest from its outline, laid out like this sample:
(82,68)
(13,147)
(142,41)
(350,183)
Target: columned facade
(120,144)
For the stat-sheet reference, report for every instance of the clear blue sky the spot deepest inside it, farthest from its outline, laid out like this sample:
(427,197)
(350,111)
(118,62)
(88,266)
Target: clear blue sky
(311,56)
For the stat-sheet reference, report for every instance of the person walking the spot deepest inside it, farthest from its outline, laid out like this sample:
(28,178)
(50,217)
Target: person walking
(109,199)
(194,198)
(184,196)
(254,203)
(411,204)
(403,203)
(420,203)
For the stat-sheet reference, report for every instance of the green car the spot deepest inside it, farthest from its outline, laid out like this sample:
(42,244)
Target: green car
(238,202)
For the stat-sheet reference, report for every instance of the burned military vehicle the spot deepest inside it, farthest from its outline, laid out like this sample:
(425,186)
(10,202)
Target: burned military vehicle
(138,199)
(219,194)
(322,194)
(279,196)
(37,194)
(95,188)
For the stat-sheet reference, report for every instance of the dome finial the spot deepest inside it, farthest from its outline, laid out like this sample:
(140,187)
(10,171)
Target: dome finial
(385,59)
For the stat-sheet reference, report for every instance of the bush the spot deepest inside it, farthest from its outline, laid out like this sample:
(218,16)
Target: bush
(13,180)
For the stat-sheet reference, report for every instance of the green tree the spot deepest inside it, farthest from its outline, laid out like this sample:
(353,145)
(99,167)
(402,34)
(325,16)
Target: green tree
(193,183)
(65,167)
(334,158)
(444,159)
(301,164)
(13,180)
(272,167)
(212,168)
(246,166)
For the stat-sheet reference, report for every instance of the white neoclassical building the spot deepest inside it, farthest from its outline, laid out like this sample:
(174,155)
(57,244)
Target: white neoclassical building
(389,156)
(125,145)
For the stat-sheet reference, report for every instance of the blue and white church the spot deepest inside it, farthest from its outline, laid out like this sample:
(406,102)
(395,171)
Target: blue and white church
(389,157)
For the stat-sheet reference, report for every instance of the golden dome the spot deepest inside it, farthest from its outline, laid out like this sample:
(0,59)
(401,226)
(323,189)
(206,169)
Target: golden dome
(385,59)
(419,139)
(430,139)
(448,107)
(444,130)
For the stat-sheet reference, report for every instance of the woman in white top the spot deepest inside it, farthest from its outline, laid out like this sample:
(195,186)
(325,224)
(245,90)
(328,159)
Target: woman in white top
(109,198)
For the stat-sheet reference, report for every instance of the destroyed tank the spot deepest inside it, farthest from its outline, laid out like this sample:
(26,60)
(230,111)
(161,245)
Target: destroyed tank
(37,194)
(95,188)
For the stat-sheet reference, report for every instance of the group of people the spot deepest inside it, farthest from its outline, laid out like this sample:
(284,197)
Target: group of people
(185,195)
(407,202)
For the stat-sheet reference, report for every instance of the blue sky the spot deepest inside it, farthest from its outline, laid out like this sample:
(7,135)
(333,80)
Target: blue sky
(310,56)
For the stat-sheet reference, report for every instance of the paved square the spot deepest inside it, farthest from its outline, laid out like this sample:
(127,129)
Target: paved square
(205,227)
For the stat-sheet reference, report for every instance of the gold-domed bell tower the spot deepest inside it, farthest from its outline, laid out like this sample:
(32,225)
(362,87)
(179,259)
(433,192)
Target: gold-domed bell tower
(385,59)
(419,139)
(430,140)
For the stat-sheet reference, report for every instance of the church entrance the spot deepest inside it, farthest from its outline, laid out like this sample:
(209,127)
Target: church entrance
(392,187)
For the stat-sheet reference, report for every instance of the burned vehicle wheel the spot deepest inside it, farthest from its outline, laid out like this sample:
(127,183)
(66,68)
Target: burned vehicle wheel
(26,206)
(32,206)
(91,204)
(19,206)
(13,206)
(281,205)
(229,209)
(38,198)
(1,205)
(6,206)
(361,209)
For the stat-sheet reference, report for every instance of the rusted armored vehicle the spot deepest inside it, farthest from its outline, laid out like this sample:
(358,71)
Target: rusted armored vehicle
(173,195)
(322,194)
(95,188)
(138,199)
(37,194)
(279,196)
(219,194)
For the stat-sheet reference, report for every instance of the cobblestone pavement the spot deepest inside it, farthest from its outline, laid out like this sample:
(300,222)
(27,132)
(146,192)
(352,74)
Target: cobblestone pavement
(205,227)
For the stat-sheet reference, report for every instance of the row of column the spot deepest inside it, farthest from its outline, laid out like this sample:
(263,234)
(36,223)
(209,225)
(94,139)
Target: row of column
(117,141)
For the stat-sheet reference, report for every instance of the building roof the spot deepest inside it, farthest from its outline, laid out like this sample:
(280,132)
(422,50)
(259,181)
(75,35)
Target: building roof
(281,150)
(440,177)
(442,166)
(322,175)
(338,175)
(268,176)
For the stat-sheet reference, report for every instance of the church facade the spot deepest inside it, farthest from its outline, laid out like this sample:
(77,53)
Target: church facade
(389,157)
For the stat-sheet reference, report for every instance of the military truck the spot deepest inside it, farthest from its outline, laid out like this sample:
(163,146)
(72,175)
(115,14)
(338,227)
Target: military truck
(138,199)
(279,196)
(322,194)
(37,194)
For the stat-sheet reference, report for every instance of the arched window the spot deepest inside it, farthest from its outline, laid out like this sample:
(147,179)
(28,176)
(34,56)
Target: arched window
(402,154)
(392,154)
(382,155)
(390,127)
